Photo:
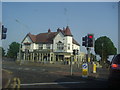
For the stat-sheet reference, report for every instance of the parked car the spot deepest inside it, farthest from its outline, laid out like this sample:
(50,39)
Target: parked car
(114,76)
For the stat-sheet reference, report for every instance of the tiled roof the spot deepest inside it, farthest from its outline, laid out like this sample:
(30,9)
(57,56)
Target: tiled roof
(49,36)
(45,37)
(33,37)
(75,42)
(67,31)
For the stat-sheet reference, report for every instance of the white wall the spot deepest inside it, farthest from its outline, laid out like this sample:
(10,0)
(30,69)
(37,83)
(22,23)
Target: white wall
(44,46)
(76,47)
(59,37)
(68,40)
(27,39)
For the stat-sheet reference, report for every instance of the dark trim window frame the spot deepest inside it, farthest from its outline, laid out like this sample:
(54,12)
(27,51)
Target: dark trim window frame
(60,45)
(48,46)
(40,46)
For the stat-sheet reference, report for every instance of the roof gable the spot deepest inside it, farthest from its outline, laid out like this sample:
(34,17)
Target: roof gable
(59,33)
(31,37)
(75,42)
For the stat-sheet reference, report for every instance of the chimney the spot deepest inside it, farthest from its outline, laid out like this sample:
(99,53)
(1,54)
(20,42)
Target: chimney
(63,28)
(49,30)
(58,30)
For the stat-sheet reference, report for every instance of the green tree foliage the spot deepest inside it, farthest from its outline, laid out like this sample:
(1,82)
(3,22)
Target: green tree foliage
(2,52)
(104,47)
(93,57)
(13,50)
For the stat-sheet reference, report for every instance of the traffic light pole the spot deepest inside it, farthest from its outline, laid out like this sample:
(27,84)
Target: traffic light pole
(88,54)
(21,61)
(88,42)
(88,60)
(71,69)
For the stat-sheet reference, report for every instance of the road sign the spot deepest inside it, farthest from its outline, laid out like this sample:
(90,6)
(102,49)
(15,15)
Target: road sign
(84,70)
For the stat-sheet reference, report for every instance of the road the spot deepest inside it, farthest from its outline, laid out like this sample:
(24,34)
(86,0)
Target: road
(55,76)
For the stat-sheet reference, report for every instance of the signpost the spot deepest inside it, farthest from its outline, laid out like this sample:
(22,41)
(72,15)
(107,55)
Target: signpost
(85,70)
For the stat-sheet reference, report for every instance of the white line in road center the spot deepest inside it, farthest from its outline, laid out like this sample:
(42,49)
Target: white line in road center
(27,69)
(11,67)
(33,69)
(20,68)
(52,83)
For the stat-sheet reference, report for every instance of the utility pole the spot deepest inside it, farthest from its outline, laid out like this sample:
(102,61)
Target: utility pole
(88,60)
(20,54)
(71,69)
(102,51)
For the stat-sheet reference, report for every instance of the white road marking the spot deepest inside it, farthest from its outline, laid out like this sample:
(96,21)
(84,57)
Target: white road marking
(11,67)
(3,67)
(19,68)
(27,69)
(30,84)
(33,69)
(43,69)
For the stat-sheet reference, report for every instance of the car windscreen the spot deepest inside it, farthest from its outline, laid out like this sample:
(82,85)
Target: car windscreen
(116,59)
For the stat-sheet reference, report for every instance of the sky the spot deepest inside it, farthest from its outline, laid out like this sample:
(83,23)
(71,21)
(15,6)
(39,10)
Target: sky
(99,18)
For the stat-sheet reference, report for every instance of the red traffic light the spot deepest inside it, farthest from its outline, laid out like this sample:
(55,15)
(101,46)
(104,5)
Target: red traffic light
(90,36)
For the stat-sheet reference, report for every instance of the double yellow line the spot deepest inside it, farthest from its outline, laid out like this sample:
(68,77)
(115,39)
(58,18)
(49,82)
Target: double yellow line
(16,83)
(12,83)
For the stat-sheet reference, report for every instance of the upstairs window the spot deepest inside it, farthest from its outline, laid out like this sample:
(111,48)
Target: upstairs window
(47,46)
(68,46)
(60,45)
(40,46)
(27,45)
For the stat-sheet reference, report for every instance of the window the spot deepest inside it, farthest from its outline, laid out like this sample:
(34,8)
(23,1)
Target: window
(47,46)
(68,46)
(40,46)
(27,45)
(72,46)
(60,46)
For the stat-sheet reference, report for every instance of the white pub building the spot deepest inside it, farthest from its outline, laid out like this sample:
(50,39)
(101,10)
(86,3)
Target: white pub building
(50,47)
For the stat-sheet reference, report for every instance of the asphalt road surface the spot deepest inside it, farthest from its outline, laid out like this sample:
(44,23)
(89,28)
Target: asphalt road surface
(56,76)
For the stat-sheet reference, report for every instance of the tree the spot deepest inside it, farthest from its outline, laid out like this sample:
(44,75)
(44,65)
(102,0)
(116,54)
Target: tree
(13,50)
(104,47)
(93,57)
(2,51)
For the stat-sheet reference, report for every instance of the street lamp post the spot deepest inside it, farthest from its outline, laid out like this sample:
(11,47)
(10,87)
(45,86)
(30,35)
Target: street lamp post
(102,51)
(20,54)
